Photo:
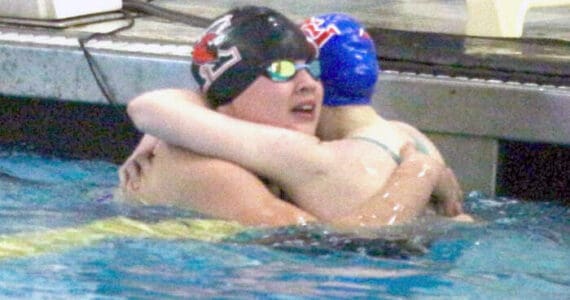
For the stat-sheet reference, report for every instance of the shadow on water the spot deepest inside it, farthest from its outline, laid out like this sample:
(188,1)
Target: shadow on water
(6,177)
(398,242)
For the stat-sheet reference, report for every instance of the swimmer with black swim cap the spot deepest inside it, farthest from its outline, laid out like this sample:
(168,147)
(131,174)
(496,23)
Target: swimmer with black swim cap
(252,64)
(240,45)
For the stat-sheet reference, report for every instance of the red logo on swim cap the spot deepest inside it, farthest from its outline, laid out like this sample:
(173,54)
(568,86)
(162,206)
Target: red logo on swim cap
(363,34)
(319,35)
(203,52)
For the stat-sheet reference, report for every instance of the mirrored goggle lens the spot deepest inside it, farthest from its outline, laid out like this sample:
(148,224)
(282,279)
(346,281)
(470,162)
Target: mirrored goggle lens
(283,70)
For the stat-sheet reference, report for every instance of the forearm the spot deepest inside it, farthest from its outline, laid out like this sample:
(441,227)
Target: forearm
(447,195)
(404,197)
(163,114)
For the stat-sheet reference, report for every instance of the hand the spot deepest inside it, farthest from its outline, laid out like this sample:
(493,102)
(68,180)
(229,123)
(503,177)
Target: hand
(136,164)
(447,195)
(431,167)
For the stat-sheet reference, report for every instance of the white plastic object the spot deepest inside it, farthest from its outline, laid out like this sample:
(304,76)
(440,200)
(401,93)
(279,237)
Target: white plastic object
(501,18)
(55,9)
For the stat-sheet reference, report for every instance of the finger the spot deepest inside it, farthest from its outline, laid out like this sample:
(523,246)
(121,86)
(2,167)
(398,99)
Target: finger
(458,208)
(144,162)
(123,174)
(464,218)
(407,151)
(133,170)
(452,208)
(132,174)
(454,185)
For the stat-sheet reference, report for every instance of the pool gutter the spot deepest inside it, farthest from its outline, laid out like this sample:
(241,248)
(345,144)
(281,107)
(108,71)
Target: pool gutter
(468,116)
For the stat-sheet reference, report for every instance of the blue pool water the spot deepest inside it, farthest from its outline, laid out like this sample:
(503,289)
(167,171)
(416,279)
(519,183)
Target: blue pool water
(519,250)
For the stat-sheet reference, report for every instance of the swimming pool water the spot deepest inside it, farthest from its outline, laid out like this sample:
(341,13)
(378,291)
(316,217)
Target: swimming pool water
(519,250)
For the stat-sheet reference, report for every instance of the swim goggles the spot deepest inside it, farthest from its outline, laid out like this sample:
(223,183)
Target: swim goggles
(283,70)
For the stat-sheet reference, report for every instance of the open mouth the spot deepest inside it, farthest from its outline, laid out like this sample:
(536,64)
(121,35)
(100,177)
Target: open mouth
(304,108)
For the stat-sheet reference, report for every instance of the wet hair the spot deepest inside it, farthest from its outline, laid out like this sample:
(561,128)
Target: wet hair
(239,45)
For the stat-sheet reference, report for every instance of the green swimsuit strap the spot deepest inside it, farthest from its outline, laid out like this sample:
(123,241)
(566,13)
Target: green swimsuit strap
(420,146)
(394,155)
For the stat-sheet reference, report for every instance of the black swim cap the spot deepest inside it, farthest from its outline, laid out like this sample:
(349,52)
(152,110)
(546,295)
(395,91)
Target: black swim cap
(239,45)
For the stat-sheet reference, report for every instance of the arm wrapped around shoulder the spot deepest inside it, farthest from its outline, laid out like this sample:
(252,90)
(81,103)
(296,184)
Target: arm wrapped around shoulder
(404,197)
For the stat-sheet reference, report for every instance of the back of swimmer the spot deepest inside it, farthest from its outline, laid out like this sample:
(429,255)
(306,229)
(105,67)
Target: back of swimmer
(349,73)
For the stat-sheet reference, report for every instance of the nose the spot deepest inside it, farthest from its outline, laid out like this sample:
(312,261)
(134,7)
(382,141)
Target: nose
(305,83)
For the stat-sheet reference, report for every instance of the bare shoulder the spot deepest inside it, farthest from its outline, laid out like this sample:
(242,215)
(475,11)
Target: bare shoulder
(409,129)
(419,138)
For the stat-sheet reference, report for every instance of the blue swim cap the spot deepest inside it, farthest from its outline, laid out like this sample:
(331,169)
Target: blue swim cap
(348,58)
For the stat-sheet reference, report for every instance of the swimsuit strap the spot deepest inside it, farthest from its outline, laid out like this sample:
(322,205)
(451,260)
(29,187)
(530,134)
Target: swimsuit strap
(420,146)
(394,156)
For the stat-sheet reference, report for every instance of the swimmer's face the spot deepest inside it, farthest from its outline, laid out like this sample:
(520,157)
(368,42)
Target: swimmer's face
(294,104)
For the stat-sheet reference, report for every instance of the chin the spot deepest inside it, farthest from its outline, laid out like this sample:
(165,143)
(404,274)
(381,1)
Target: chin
(312,130)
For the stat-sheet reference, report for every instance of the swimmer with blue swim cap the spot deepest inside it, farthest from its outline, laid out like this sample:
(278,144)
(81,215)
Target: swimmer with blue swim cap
(349,73)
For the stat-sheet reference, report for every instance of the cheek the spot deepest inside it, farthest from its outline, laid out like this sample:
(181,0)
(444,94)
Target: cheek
(258,111)
(321,91)
(264,102)
(268,105)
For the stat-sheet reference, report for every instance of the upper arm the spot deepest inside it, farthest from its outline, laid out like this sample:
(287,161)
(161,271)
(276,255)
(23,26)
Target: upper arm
(214,187)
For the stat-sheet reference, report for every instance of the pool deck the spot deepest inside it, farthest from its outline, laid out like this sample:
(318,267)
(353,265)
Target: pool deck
(472,95)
